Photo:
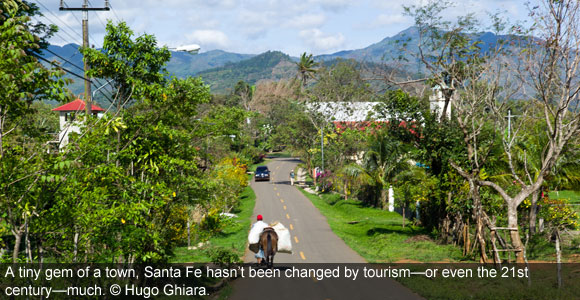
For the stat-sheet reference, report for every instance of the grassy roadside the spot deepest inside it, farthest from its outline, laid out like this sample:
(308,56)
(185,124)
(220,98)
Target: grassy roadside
(573,197)
(377,235)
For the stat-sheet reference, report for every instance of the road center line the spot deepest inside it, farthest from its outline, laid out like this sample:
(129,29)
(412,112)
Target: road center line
(296,239)
(291,227)
(278,194)
(282,200)
(302,255)
(284,207)
(288,216)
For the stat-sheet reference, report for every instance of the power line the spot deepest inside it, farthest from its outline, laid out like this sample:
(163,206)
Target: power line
(80,68)
(74,16)
(60,67)
(72,73)
(49,11)
(98,18)
(57,32)
(85,9)
(64,59)
(117,17)
(92,39)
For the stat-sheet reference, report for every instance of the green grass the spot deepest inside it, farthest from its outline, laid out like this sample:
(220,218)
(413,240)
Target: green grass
(543,283)
(379,236)
(283,154)
(233,237)
(572,196)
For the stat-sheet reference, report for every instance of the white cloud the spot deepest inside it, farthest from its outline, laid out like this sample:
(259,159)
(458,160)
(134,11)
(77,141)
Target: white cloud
(321,41)
(306,21)
(385,20)
(209,39)
(332,5)
(255,24)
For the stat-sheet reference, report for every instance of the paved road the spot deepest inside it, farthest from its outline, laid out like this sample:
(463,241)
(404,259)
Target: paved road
(313,242)
(312,239)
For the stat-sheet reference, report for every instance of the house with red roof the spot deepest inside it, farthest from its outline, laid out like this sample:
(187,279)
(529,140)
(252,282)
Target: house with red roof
(70,120)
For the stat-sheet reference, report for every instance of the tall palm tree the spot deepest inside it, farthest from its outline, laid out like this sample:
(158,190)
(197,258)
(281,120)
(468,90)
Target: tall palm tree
(306,67)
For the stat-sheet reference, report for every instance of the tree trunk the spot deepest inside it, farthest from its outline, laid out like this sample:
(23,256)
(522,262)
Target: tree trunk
(558,258)
(403,216)
(515,233)
(76,245)
(384,199)
(17,241)
(466,239)
(27,244)
(478,217)
(1,133)
(534,212)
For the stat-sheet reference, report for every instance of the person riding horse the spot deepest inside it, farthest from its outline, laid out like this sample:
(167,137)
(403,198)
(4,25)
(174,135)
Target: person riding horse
(260,224)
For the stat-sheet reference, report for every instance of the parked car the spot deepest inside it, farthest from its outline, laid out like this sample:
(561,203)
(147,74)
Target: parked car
(262,173)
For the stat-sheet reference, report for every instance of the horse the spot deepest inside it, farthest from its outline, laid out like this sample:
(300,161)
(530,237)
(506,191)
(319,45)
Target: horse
(269,243)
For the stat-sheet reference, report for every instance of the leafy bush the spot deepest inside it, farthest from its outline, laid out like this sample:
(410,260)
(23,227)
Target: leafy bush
(213,223)
(223,257)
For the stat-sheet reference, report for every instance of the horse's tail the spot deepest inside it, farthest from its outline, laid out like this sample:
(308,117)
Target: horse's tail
(269,249)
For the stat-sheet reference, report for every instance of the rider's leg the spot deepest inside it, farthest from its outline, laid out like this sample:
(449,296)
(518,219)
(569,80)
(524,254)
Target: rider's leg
(260,255)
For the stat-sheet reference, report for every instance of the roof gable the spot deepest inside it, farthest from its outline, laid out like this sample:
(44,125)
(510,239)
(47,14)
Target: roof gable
(77,105)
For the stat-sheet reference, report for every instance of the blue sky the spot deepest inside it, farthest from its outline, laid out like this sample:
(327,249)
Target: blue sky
(255,26)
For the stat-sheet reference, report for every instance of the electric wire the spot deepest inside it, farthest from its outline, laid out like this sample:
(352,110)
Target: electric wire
(62,68)
(114,13)
(64,59)
(59,28)
(98,18)
(79,21)
(74,74)
(49,11)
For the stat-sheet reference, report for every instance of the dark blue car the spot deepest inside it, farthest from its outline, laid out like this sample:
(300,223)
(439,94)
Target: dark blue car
(262,173)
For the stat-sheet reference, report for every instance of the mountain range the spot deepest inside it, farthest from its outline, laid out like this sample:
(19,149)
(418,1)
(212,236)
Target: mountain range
(222,70)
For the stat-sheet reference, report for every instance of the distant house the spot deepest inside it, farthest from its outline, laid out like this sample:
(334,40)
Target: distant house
(353,115)
(437,102)
(348,114)
(69,121)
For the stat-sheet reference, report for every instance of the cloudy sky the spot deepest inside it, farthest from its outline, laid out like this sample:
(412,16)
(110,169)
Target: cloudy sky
(255,26)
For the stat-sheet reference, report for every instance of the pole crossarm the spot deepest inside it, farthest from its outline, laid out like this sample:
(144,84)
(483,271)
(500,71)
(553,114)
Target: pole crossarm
(84,9)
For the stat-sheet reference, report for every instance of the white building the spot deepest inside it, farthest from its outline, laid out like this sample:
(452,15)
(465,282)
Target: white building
(70,121)
(437,102)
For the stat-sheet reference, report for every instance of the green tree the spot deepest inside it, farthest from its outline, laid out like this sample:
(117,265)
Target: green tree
(23,79)
(385,158)
(413,186)
(306,68)
(136,66)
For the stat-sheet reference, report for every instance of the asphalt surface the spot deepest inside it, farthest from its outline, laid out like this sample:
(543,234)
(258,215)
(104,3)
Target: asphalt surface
(313,242)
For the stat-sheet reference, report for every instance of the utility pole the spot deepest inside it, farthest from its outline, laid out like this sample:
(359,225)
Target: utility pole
(85,9)
(509,117)
(322,146)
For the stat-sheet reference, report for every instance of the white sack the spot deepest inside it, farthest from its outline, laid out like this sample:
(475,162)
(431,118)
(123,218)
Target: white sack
(284,238)
(254,236)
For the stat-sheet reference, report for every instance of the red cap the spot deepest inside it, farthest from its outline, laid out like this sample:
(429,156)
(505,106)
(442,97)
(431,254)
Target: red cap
(259,218)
